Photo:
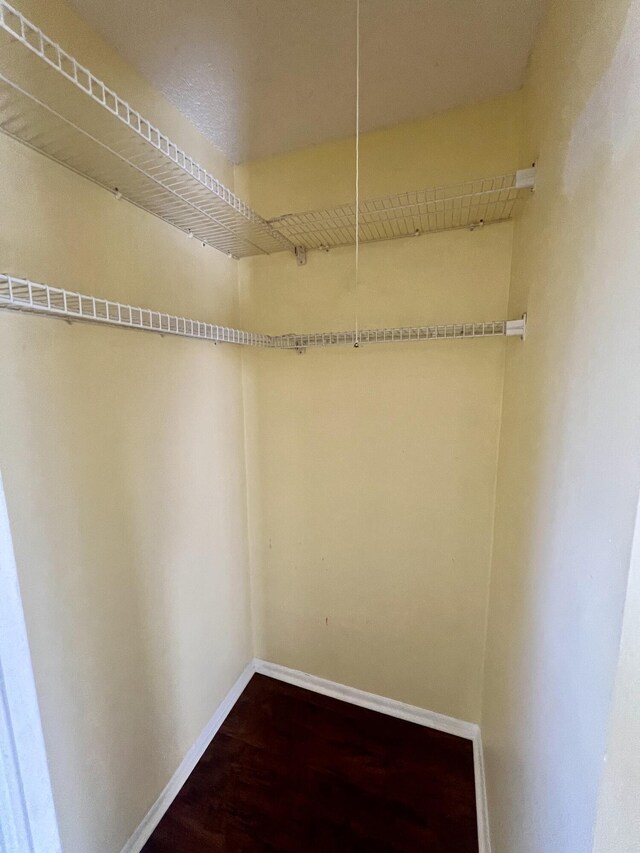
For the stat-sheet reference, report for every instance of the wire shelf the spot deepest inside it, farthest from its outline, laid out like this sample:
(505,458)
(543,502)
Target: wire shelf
(55,105)
(21,294)
(403,334)
(468,205)
(58,107)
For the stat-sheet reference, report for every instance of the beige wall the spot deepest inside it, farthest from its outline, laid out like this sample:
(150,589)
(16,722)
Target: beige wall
(460,145)
(123,463)
(371,471)
(570,450)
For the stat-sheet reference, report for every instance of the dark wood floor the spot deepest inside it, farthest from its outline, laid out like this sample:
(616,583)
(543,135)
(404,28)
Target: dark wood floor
(292,770)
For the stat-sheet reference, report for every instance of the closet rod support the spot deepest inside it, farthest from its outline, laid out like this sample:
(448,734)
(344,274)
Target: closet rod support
(526,179)
(517,328)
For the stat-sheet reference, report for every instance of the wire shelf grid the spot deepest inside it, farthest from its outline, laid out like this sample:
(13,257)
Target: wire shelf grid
(403,334)
(54,104)
(468,205)
(24,295)
(21,294)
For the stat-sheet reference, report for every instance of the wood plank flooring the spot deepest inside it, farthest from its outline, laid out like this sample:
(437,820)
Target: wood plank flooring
(291,770)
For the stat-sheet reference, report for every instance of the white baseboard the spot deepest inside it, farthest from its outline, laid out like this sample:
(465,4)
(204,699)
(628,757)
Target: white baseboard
(482,811)
(440,722)
(369,700)
(157,810)
(391,707)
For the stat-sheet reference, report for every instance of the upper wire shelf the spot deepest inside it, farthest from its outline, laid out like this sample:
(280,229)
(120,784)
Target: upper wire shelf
(57,106)
(468,205)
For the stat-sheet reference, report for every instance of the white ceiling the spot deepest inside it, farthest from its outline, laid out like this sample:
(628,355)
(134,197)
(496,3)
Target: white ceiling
(259,77)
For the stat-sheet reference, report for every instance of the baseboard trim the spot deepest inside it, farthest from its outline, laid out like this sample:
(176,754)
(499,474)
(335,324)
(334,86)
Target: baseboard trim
(392,707)
(482,811)
(381,704)
(158,809)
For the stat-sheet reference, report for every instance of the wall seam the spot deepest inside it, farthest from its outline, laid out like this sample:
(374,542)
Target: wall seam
(245,446)
(489,588)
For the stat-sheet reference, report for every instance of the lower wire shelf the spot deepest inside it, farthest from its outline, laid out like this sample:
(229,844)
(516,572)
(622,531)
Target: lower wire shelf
(24,295)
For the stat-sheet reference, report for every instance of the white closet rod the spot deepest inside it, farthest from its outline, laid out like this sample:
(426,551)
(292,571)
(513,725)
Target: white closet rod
(20,294)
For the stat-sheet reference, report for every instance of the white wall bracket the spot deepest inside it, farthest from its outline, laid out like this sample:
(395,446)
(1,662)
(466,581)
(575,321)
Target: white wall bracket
(517,328)
(301,256)
(526,179)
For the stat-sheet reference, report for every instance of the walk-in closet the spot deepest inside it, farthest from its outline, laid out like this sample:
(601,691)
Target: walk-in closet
(319,426)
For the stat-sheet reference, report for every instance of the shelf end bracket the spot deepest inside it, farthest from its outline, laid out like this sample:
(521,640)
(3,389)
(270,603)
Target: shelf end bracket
(526,179)
(517,328)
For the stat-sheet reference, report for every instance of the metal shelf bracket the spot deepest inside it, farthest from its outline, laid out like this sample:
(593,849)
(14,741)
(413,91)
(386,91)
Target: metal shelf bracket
(526,179)
(517,328)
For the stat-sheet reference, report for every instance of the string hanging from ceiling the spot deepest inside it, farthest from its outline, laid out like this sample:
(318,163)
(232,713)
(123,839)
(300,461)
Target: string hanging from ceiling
(357,211)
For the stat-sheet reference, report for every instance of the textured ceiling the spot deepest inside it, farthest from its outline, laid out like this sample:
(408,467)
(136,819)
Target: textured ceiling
(259,77)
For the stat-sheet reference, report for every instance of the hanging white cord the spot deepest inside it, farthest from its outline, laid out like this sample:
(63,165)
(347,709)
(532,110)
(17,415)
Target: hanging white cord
(357,235)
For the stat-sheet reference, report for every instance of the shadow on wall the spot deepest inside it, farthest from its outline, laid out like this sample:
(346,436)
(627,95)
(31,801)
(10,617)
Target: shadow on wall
(123,547)
(569,457)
